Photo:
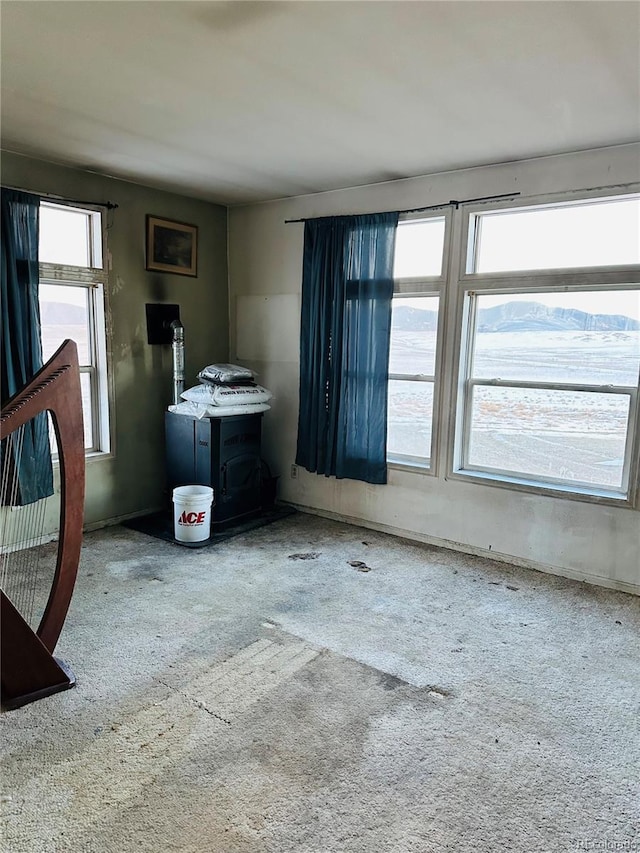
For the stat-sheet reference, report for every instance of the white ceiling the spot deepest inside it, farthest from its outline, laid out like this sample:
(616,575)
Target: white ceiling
(244,101)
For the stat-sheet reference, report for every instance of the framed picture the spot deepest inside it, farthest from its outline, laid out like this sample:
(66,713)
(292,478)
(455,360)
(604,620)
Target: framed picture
(171,246)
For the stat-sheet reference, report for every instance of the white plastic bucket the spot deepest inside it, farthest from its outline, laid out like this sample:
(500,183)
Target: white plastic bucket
(192,513)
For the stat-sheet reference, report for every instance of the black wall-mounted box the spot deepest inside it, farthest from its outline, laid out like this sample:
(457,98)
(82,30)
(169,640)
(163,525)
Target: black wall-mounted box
(160,316)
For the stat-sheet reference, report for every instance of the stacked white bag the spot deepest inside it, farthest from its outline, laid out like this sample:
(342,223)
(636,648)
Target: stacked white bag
(224,390)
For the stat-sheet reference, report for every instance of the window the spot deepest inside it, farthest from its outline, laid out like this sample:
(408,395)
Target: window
(419,248)
(418,274)
(548,392)
(72,282)
(596,233)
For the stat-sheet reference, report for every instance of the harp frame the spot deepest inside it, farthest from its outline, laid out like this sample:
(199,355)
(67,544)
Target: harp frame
(28,668)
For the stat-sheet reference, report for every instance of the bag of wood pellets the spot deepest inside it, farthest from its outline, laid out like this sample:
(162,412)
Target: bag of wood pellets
(224,374)
(197,410)
(227,395)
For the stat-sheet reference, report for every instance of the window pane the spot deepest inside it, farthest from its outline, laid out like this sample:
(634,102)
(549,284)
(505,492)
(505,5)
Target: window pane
(574,436)
(410,415)
(555,237)
(414,328)
(64,313)
(590,338)
(64,236)
(87,415)
(419,248)
(87,409)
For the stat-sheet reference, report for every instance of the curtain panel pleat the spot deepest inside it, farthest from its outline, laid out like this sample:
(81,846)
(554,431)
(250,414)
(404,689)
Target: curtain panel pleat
(21,347)
(347,287)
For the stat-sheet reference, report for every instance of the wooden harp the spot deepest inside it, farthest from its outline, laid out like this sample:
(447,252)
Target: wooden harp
(28,668)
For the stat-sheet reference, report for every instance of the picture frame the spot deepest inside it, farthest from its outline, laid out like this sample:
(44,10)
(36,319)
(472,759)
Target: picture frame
(171,246)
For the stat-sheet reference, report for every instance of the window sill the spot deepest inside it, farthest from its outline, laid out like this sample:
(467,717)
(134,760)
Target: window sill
(90,456)
(99,455)
(533,487)
(412,467)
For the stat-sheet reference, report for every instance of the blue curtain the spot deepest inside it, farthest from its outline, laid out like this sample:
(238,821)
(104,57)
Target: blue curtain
(347,286)
(21,348)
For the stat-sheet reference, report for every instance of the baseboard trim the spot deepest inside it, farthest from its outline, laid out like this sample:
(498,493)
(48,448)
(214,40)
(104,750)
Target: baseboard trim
(571,574)
(118,519)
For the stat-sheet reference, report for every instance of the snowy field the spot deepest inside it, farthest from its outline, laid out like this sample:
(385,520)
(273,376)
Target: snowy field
(564,434)
(52,337)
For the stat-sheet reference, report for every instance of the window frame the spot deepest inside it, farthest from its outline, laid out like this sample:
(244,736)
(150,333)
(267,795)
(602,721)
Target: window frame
(94,279)
(467,284)
(428,286)
(471,227)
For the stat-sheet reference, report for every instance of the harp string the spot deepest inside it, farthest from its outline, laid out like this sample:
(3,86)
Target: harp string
(35,555)
(32,553)
(23,555)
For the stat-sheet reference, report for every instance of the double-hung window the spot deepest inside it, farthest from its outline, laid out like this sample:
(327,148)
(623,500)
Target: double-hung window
(550,355)
(72,286)
(419,275)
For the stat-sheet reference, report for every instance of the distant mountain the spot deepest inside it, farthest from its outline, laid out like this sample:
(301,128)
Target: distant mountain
(407,319)
(521,317)
(62,314)
(532,316)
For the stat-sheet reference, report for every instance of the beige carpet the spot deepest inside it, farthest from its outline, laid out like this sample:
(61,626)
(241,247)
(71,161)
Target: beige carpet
(266,695)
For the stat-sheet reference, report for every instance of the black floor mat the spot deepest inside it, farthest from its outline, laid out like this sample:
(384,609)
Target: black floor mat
(160,526)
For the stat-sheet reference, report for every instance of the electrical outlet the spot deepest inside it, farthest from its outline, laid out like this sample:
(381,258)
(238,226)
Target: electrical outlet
(294,472)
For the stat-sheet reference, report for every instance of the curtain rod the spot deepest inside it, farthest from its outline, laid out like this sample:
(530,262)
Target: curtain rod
(453,202)
(110,205)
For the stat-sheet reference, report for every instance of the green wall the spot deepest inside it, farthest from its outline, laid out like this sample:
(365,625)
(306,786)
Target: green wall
(131,480)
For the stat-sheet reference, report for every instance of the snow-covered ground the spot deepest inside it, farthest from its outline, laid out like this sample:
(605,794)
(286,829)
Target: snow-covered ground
(572,435)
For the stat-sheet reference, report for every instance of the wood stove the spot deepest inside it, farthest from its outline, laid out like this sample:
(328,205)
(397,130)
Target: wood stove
(223,453)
